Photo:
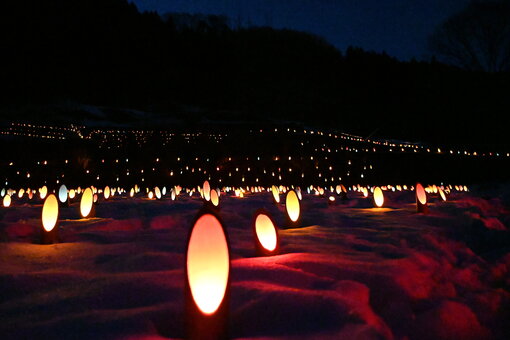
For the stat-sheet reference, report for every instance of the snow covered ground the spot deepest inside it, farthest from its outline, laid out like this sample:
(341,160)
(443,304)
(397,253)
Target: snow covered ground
(350,272)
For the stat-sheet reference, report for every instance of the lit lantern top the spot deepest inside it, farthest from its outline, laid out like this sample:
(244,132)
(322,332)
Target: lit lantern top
(50,212)
(208,263)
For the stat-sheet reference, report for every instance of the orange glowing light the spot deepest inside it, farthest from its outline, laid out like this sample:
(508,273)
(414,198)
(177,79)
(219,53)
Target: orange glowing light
(442,194)
(206,189)
(266,232)
(276,194)
(43,192)
(208,263)
(72,193)
(421,196)
(7,201)
(50,213)
(86,203)
(378,197)
(157,193)
(292,206)
(106,192)
(215,197)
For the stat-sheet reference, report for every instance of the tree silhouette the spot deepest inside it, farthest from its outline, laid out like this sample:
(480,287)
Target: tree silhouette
(477,38)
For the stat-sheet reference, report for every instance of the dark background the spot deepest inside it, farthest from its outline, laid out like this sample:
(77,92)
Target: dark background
(58,55)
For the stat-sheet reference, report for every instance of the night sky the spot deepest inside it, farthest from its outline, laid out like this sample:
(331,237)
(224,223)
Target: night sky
(399,27)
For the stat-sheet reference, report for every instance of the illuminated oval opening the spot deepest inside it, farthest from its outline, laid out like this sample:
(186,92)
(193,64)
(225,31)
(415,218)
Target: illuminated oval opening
(276,194)
(215,199)
(208,263)
(72,193)
(87,200)
(21,192)
(206,189)
(43,192)
(292,205)
(62,193)
(420,194)
(266,232)
(106,192)
(50,213)
(442,194)
(157,193)
(7,201)
(378,197)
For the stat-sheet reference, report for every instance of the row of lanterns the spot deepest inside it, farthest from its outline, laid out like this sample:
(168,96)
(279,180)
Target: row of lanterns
(208,254)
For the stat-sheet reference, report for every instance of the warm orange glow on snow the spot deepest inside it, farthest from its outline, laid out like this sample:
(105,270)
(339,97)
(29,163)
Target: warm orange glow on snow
(208,263)
(292,206)
(50,213)
(266,232)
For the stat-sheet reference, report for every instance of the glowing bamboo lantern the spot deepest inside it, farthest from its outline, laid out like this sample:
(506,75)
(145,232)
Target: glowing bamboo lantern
(43,192)
(292,207)
(206,191)
(132,192)
(50,211)
(421,199)
(86,203)
(299,195)
(172,194)
(265,233)
(276,194)
(106,192)
(62,193)
(207,279)
(72,194)
(7,201)
(378,197)
(331,200)
(215,198)
(442,194)
(157,193)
